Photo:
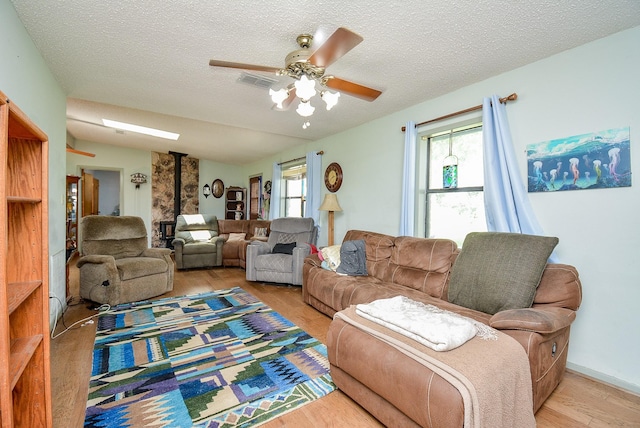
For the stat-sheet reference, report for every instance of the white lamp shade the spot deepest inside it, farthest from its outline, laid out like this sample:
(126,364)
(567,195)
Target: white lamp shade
(279,96)
(330,98)
(305,109)
(305,88)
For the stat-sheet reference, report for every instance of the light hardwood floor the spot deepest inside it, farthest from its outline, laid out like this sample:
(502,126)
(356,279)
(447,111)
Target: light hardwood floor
(577,402)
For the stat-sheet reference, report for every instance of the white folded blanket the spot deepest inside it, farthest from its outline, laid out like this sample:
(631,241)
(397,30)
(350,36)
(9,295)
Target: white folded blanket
(429,325)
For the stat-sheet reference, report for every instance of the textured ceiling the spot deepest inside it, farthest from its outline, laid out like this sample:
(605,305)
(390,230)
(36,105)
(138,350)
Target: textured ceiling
(147,61)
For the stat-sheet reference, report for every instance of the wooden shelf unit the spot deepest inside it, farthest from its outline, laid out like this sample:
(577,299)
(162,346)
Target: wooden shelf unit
(235,203)
(25,384)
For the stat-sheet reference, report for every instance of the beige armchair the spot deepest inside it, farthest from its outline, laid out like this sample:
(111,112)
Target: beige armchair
(116,265)
(196,242)
(280,259)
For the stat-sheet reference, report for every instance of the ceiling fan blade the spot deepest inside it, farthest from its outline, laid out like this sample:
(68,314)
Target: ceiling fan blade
(353,89)
(338,44)
(241,66)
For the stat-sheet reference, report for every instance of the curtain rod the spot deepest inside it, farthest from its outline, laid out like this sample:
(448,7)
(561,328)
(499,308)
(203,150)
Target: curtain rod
(321,152)
(504,100)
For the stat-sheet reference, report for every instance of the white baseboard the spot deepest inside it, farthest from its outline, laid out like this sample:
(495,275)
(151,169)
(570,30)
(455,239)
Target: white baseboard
(614,381)
(57,286)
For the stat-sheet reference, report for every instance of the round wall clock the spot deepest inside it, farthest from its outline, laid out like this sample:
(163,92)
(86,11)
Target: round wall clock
(333,177)
(217,187)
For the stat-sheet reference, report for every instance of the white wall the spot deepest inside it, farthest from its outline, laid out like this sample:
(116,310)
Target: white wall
(27,81)
(591,88)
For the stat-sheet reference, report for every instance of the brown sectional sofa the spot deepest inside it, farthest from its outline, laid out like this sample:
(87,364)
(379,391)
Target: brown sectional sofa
(390,385)
(234,253)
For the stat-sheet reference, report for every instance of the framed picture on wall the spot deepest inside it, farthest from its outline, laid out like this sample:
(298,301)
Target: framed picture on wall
(217,188)
(598,160)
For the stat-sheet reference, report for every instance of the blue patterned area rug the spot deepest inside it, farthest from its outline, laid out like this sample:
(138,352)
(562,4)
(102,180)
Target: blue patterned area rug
(217,359)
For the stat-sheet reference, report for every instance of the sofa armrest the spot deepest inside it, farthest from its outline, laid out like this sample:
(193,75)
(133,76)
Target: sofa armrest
(96,259)
(254,249)
(259,247)
(300,252)
(158,253)
(544,321)
(313,260)
(178,242)
(219,242)
(99,278)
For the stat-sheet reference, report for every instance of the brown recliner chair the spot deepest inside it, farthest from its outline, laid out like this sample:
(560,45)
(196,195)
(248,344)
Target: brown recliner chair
(116,265)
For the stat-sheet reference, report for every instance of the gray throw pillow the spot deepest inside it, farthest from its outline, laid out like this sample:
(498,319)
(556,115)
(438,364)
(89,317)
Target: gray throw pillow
(283,248)
(497,271)
(353,258)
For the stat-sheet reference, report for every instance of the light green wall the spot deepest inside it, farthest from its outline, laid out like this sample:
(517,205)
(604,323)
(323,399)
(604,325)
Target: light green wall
(136,202)
(28,82)
(230,175)
(587,89)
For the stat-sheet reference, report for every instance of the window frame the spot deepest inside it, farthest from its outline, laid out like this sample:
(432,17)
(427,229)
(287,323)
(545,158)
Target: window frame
(286,198)
(425,153)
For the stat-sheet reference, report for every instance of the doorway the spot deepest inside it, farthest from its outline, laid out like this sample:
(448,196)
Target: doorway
(255,197)
(101,192)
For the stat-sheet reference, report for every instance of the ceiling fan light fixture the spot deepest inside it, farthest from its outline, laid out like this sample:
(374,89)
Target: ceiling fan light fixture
(279,96)
(307,66)
(330,98)
(305,87)
(305,109)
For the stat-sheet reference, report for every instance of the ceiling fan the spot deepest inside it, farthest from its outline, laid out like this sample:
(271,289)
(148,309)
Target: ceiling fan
(308,66)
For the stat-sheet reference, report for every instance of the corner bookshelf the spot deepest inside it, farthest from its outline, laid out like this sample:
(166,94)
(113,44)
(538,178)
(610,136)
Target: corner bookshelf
(25,384)
(235,203)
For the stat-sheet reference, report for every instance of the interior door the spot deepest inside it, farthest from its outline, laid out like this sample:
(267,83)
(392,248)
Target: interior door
(255,197)
(90,187)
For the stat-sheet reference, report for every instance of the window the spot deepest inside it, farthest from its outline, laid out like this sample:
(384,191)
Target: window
(294,179)
(453,212)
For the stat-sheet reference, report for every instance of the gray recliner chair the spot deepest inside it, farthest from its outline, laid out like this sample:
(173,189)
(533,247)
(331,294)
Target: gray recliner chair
(116,265)
(280,259)
(196,242)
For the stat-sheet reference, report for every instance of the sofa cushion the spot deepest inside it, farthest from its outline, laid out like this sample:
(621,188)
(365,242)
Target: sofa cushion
(136,267)
(331,255)
(236,237)
(421,264)
(277,263)
(196,227)
(378,250)
(200,248)
(498,271)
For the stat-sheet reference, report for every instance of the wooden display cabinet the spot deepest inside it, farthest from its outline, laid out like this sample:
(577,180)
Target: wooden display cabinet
(25,391)
(235,203)
(72,214)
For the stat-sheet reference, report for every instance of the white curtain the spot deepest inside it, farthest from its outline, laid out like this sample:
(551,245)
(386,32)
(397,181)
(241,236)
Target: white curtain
(507,206)
(314,185)
(407,213)
(276,184)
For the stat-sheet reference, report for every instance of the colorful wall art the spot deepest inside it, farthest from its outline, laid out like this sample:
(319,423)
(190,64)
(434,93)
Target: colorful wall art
(590,161)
